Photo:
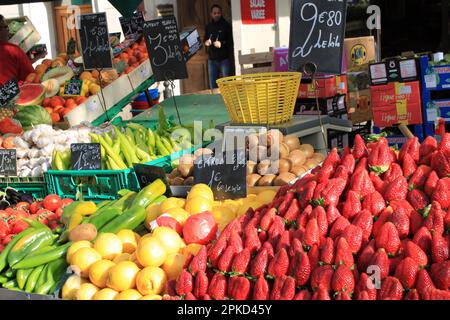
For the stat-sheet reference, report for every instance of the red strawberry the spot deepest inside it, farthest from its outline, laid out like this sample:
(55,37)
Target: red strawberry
(401,222)
(258,265)
(199,262)
(267,219)
(375,203)
(352,205)
(394,262)
(303,295)
(233,226)
(431,183)
(321,278)
(382,219)
(423,239)
(312,234)
(332,215)
(428,146)
(379,159)
(391,289)
(321,294)
(419,177)
(363,296)
(396,190)
(261,289)
(217,250)
(343,296)
(381,260)
(415,222)
(284,241)
(365,256)
(440,273)
(190,296)
(275,294)
(410,148)
(236,242)
(365,284)
(241,262)
(252,241)
(295,247)
(218,287)
(275,230)
(288,289)
(412,295)
(406,272)
(313,255)
(409,166)
(300,268)
(360,150)
(436,294)
(361,183)
(263,236)
(321,216)
(439,249)
(435,219)
(343,253)
(377,182)
(444,145)
(361,165)
(424,281)
(293,211)
(238,288)
(325,173)
(338,227)
(206,297)
(226,259)
(307,194)
(353,234)
(270,252)
(413,251)
(348,161)
(364,220)
(184,283)
(388,238)
(327,251)
(171,287)
(441,193)
(343,279)
(440,162)
(394,172)
(332,159)
(200,285)
(418,199)
(279,265)
(342,173)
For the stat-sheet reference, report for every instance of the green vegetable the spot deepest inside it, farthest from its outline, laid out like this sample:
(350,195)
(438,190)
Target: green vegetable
(54,269)
(35,224)
(10,284)
(6,251)
(42,277)
(147,195)
(33,115)
(33,278)
(37,260)
(104,217)
(128,220)
(3,279)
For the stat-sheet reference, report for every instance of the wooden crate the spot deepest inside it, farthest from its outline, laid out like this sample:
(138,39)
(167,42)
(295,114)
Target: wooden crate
(260,62)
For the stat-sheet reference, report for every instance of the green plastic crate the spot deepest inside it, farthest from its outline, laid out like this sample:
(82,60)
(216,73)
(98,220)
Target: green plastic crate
(35,187)
(96,185)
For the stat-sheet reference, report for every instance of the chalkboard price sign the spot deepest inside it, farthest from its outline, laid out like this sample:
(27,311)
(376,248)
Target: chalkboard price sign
(126,27)
(225,175)
(8,162)
(94,38)
(147,174)
(137,22)
(73,87)
(86,156)
(164,49)
(8,91)
(317,34)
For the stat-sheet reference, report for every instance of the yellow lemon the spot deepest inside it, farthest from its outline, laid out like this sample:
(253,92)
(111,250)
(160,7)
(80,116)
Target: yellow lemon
(170,203)
(232,205)
(129,240)
(71,287)
(201,190)
(173,265)
(87,291)
(169,238)
(108,245)
(106,294)
(122,257)
(151,297)
(151,253)
(251,197)
(181,202)
(198,204)
(179,214)
(122,276)
(153,212)
(151,280)
(75,247)
(223,215)
(98,272)
(266,197)
(130,294)
(83,259)
(192,248)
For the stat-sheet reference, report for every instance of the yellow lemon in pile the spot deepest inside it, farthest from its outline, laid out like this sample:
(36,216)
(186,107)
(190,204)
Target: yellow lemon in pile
(106,294)
(108,245)
(151,253)
(169,238)
(192,248)
(179,214)
(151,280)
(83,259)
(153,212)
(201,190)
(223,215)
(266,197)
(151,297)
(232,205)
(75,247)
(128,239)
(87,291)
(170,203)
(173,265)
(122,276)
(198,204)
(98,272)
(130,294)
(122,257)
(71,287)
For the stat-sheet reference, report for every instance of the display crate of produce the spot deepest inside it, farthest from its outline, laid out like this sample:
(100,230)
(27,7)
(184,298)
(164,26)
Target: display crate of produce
(140,74)
(90,110)
(35,187)
(116,91)
(325,87)
(94,185)
(26,36)
(395,137)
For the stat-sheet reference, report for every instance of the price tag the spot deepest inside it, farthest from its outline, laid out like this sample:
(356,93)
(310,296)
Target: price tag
(73,87)
(430,81)
(148,174)
(8,92)
(8,162)
(86,156)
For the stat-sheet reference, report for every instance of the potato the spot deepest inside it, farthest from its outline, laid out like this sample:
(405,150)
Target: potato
(253,179)
(185,170)
(292,142)
(274,137)
(298,171)
(312,163)
(284,150)
(297,159)
(308,150)
(251,167)
(85,231)
(266,181)
(176,173)
(319,156)
(178,181)
(284,179)
(258,154)
(284,165)
(189,181)
(267,167)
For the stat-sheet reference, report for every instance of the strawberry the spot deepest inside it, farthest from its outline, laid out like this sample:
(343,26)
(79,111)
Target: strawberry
(321,278)
(361,183)
(363,296)
(409,166)
(279,265)
(428,146)
(364,220)
(206,297)
(343,279)
(218,287)
(394,172)
(190,296)
(440,162)
(419,177)
(391,289)
(441,193)
(381,260)
(226,259)
(252,241)
(259,263)
(343,295)
(313,255)
(352,205)
(375,203)
(388,238)
(332,215)
(365,256)
(338,227)
(403,205)
(263,236)
(288,289)
(184,283)
(342,173)
(233,226)
(270,252)
(412,295)
(377,182)
(325,173)
(379,159)
(382,219)
(307,193)
(396,190)
(359,150)
(327,251)
(238,288)
(261,289)
(235,241)
(418,199)
(328,193)
(240,262)
(439,249)
(361,165)
(300,268)
(267,219)
(295,247)
(406,272)
(348,161)
(401,222)
(200,285)
(365,284)
(217,250)
(424,281)
(353,235)
(431,183)
(321,294)
(303,295)
(320,215)
(278,283)
(440,273)
(447,220)
(444,145)
(332,159)
(436,294)
(245,219)
(413,251)
(276,229)
(423,239)
(411,148)
(343,253)
(312,234)
(293,211)
(199,262)
(435,219)
(303,218)
(170,287)
(415,222)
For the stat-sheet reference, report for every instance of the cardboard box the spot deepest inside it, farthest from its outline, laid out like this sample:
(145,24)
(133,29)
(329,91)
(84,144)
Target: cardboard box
(393,92)
(191,42)
(437,77)
(27,36)
(400,113)
(359,51)
(394,70)
(140,74)
(359,106)
(88,111)
(116,91)
(438,109)
(326,87)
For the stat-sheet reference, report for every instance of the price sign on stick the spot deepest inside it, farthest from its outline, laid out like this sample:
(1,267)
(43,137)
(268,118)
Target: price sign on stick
(148,174)
(86,156)
(8,92)
(73,87)
(8,162)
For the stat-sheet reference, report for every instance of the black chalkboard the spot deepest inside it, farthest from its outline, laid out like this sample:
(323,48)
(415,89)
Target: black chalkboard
(86,156)
(73,87)
(8,91)
(137,22)
(146,174)
(317,35)
(8,162)
(126,27)
(225,175)
(164,49)
(94,38)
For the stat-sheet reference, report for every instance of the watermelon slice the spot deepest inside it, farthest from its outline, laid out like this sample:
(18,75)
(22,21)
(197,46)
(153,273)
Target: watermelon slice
(31,94)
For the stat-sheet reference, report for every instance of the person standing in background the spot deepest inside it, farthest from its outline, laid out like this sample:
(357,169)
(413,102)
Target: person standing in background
(15,63)
(218,40)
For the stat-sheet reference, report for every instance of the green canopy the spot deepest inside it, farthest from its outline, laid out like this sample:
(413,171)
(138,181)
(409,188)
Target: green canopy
(126,8)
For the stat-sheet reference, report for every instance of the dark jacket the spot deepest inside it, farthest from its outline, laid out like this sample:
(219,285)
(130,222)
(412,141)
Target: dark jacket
(220,31)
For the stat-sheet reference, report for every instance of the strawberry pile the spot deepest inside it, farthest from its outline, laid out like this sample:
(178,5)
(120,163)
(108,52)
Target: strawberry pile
(371,224)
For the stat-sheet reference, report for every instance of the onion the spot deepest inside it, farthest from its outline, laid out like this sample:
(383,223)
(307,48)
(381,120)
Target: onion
(292,142)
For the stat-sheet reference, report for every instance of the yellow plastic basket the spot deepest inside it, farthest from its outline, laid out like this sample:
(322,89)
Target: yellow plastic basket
(262,98)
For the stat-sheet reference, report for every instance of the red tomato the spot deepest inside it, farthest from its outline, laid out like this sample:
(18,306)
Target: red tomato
(3,215)
(200,228)
(19,226)
(4,228)
(23,206)
(21,214)
(52,202)
(52,216)
(66,202)
(7,239)
(35,206)
(10,211)
(59,212)
(53,225)
(42,217)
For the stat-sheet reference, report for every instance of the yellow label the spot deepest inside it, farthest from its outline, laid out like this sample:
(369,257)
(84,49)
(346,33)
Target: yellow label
(359,54)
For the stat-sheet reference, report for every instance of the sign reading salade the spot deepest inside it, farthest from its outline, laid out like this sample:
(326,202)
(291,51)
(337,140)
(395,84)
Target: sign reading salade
(258,11)
(317,35)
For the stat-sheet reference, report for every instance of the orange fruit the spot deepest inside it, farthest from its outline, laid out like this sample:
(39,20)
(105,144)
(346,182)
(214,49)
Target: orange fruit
(56,117)
(87,291)
(75,247)
(108,245)
(98,272)
(122,276)
(129,294)
(106,294)
(83,259)
(128,239)
(151,280)
(173,265)
(151,253)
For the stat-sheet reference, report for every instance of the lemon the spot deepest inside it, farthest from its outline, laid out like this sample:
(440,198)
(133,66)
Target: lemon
(153,212)
(232,205)
(173,265)
(129,240)
(98,272)
(198,204)
(223,215)
(75,247)
(192,248)
(151,297)
(266,197)
(122,257)
(130,294)
(106,294)
(151,253)
(170,203)
(122,276)
(169,238)
(71,287)
(151,280)
(201,190)
(108,245)
(87,291)
(83,259)
(179,214)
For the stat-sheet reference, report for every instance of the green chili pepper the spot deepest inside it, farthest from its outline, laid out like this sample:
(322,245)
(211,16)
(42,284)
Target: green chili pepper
(33,278)
(42,277)
(105,217)
(37,260)
(28,244)
(10,284)
(149,194)
(7,250)
(22,276)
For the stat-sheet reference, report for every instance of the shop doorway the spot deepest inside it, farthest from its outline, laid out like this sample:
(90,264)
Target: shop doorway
(196,13)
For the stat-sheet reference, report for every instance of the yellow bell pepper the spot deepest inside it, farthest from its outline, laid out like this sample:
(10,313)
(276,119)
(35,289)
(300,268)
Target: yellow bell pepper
(72,212)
